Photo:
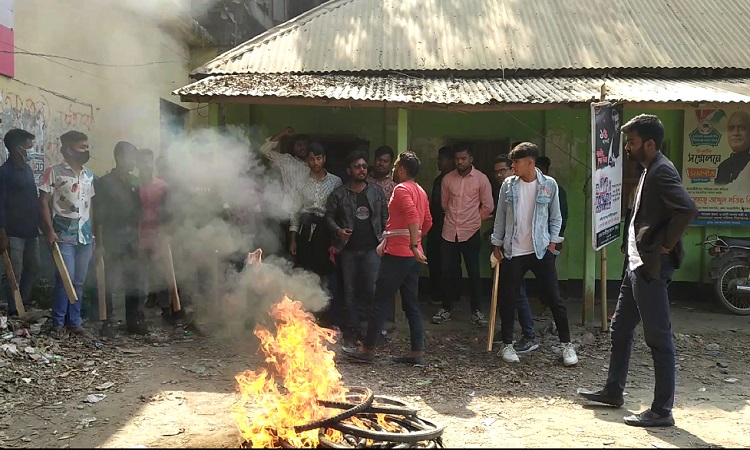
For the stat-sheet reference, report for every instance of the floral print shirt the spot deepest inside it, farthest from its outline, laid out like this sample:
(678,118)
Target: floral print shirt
(71,194)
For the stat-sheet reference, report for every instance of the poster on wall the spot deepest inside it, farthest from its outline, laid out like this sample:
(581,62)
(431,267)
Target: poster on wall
(715,169)
(606,173)
(7,39)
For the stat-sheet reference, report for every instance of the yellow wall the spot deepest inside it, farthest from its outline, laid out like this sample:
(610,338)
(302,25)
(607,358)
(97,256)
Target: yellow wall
(49,96)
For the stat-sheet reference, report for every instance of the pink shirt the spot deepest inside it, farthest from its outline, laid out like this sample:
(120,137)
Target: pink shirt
(408,205)
(152,198)
(467,201)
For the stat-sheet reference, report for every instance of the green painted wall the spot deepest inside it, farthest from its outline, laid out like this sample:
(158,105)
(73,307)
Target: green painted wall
(564,135)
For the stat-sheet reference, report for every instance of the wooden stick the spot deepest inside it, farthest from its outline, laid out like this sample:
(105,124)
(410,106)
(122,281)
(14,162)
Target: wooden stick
(605,324)
(60,263)
(101,287)
(174,295)
(11,276)
(493,306)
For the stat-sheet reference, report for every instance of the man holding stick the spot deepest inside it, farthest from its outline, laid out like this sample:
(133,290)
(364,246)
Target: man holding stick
(65,203)
(19,217)
(661,213)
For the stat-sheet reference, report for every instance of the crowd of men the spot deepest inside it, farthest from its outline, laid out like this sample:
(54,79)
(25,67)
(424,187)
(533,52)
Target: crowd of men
(363,238)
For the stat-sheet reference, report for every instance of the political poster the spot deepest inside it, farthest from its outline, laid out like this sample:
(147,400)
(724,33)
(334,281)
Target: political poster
(715,169)
(606,176)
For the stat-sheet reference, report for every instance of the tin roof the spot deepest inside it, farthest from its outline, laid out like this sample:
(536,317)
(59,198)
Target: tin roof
(466,91)
(477,35)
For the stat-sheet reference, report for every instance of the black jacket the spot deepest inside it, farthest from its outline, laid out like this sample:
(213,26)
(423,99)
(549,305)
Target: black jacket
(663,215)
(341,207)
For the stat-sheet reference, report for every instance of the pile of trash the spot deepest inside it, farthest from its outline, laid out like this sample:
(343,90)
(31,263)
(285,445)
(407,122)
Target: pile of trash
(22,339)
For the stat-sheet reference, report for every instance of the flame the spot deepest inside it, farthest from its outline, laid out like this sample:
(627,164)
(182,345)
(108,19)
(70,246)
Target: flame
(296,357)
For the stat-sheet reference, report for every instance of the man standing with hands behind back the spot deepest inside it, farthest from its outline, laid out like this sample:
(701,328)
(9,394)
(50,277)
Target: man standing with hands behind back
(467,201)
(661,213)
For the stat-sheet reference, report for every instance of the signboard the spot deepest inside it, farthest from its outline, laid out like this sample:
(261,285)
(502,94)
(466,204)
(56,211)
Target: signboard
(7,39)
(715,169)
(606,173)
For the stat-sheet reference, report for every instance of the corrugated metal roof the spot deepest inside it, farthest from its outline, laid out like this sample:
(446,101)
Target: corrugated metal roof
(467,91)
(417,35)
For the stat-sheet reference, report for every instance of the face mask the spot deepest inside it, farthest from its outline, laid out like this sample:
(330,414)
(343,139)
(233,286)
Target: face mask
(24,152)
(79,157)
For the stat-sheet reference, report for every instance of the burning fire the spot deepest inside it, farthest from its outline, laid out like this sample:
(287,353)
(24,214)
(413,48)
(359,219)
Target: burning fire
(297,359)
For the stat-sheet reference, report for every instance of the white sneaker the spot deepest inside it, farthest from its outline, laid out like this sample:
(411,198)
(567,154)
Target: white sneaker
(442,316)
(569,355)
(508,353)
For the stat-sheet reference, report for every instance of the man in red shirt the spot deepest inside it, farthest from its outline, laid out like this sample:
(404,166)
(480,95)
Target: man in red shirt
(409,219)
(467,200)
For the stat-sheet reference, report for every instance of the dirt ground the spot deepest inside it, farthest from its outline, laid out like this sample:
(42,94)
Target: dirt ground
(179,394)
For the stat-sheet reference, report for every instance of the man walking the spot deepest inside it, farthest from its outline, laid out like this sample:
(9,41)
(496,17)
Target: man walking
(357,214)
(409,219)
(65,205)
(381,171)
(19,216)
(117,213)
(309,239)
(434,237)
(466,196)
(661,214)
(527,227)
(503,168)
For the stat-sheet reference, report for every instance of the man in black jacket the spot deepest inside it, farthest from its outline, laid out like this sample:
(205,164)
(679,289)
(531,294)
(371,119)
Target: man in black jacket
(356,214)
(446,164)
(662,212)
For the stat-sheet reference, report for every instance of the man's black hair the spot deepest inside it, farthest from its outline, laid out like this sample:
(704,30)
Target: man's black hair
(384,150)
(446,152)
(17,138)
(301,137)
(410,162)
(502,159)
(122,147)
(648,127)
(524,150)
(543,162)
(355,156)
(317,149)
(73,137)
(467,147)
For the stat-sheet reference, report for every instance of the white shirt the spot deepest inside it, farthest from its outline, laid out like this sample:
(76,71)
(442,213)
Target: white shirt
(634,258)
(293,173)
(313,196)
(523,244)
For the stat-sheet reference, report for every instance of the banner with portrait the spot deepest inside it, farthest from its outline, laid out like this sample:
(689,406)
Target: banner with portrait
(606,173)
(715,169)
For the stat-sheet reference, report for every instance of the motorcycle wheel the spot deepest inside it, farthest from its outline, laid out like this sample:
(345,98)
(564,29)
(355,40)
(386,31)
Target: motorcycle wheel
(733,274)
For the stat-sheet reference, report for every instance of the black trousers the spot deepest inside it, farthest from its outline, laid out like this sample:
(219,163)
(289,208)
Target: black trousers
(451,260)
(121,271)
(435,264)
(312,250)
(512,272)
(647,300)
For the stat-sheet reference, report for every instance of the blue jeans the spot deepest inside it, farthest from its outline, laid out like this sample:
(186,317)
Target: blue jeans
(360,270)
(647,300)
(24,257)
(396,273)
(76,258)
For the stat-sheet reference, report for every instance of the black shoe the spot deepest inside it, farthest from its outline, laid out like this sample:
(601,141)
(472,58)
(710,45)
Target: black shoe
(167,316)
(602,396)
(649,418)
(526,345)
(138,327)
(57,332)
(107,331)
(412,360)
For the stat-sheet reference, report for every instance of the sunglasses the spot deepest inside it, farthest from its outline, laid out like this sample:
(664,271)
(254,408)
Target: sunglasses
(359,166)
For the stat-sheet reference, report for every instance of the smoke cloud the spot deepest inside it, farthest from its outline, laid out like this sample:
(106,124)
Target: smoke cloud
(222,198)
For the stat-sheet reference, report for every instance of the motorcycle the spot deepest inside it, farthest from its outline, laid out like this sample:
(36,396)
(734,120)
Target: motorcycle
(730,271)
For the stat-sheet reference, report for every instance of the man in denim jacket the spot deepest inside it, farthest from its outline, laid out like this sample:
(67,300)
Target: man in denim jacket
(527,228)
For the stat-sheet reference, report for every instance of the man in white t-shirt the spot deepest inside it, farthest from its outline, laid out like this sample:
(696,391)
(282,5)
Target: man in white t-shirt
(527,229)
